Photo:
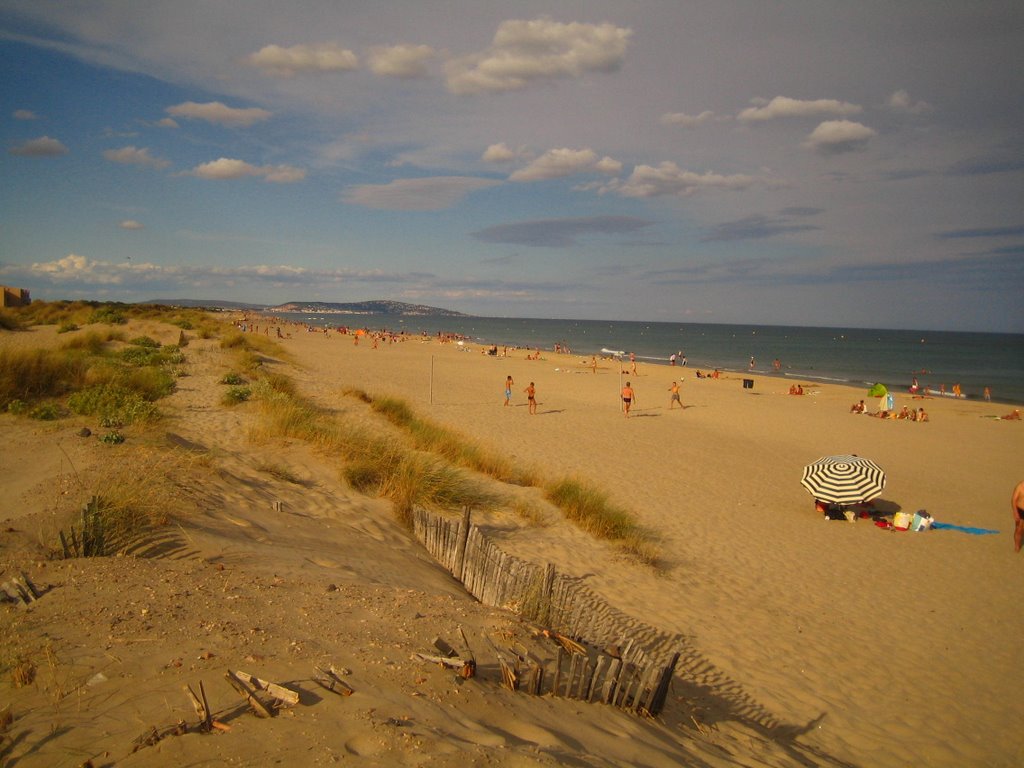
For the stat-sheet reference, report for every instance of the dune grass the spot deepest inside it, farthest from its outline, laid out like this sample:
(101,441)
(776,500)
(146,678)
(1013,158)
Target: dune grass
(583,505)
(119,386)
(456,448)
(373,464)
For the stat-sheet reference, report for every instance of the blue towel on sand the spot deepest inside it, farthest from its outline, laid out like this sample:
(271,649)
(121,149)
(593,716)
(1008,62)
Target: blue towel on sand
(962,529)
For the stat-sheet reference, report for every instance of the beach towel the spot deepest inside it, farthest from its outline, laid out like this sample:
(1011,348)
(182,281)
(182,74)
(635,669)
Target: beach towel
(962,529)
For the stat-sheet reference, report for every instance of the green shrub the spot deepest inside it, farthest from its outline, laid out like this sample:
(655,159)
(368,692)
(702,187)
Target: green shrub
(45,412)
(145,341)
(67,326)
(107,314)
(113,404)
(112,438)
(232,378)
(236,395)
(17,407)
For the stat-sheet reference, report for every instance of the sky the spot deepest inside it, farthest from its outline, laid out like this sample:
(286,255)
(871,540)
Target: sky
(792,162)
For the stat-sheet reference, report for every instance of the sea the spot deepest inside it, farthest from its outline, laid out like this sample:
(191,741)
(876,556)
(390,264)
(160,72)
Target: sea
(856,357)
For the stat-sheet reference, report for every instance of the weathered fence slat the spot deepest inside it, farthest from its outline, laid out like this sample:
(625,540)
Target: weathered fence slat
(627,675)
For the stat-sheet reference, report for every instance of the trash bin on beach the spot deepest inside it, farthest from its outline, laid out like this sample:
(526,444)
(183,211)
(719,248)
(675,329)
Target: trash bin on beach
(748,383)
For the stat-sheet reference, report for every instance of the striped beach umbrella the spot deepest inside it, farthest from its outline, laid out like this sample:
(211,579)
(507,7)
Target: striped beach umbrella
(843,479)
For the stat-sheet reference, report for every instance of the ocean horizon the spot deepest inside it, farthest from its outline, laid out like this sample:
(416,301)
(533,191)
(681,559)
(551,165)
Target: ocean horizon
(855,357)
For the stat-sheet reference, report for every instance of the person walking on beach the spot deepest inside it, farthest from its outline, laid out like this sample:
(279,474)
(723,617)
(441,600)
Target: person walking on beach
(508,389)
(628,397)
(1017,505)
(751,362)
(674,389)
(531,397)
(632,363)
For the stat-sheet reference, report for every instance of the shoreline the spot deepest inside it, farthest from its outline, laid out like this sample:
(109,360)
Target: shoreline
(826,376)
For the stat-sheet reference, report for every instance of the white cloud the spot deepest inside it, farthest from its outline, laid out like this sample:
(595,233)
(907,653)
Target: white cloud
(135,156)
(25,114)
(44,146)
(783,106)
(85,272)
(558,163)
(524,52)
(669,179)
(167,122)
(131,224)
(225,168)
(288,62)
(834,137)
(502,153)
(79,268)
(427,194)
(900,102)
(405,61)
(216,112)
(685,120)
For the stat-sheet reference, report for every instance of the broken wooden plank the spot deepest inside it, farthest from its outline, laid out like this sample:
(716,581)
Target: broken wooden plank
(258,707)
(330,680)
(205,719)
(279,692)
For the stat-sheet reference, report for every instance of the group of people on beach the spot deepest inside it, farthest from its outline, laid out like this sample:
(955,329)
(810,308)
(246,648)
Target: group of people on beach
(904,414)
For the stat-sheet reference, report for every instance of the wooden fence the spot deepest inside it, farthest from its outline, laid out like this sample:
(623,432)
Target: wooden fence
(604,654)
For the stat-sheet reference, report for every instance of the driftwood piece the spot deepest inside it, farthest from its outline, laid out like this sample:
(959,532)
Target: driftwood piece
(330,680)
(282,696)
(200,706)
(260,708)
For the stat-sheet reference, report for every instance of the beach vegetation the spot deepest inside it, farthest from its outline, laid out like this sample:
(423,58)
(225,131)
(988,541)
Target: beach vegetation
(34,374)
(372,464)
(8,321)
(281,473)
(114,405)
(108,314)
(97,378)
(112,438)
(592,511)
(430,436)
(236,395)
(45,412)
(232,378)
(67,326)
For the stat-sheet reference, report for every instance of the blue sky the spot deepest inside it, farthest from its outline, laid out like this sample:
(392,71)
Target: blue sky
(805,163)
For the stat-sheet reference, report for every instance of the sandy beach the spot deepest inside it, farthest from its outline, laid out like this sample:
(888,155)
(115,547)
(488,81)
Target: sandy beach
(803,642)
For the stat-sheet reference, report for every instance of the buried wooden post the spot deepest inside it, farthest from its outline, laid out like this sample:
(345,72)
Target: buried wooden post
(460,547)
(661,693)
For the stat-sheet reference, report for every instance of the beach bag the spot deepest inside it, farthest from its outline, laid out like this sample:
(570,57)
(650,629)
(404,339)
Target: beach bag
(901,521)
(922,521)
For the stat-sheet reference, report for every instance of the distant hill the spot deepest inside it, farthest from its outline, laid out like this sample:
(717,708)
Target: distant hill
(206,303)
(380,307)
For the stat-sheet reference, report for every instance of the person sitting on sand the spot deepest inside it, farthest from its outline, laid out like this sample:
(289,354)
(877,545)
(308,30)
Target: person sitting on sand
(796,389)
(903,414)
(1014,416)
(921,415)
(858,407)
